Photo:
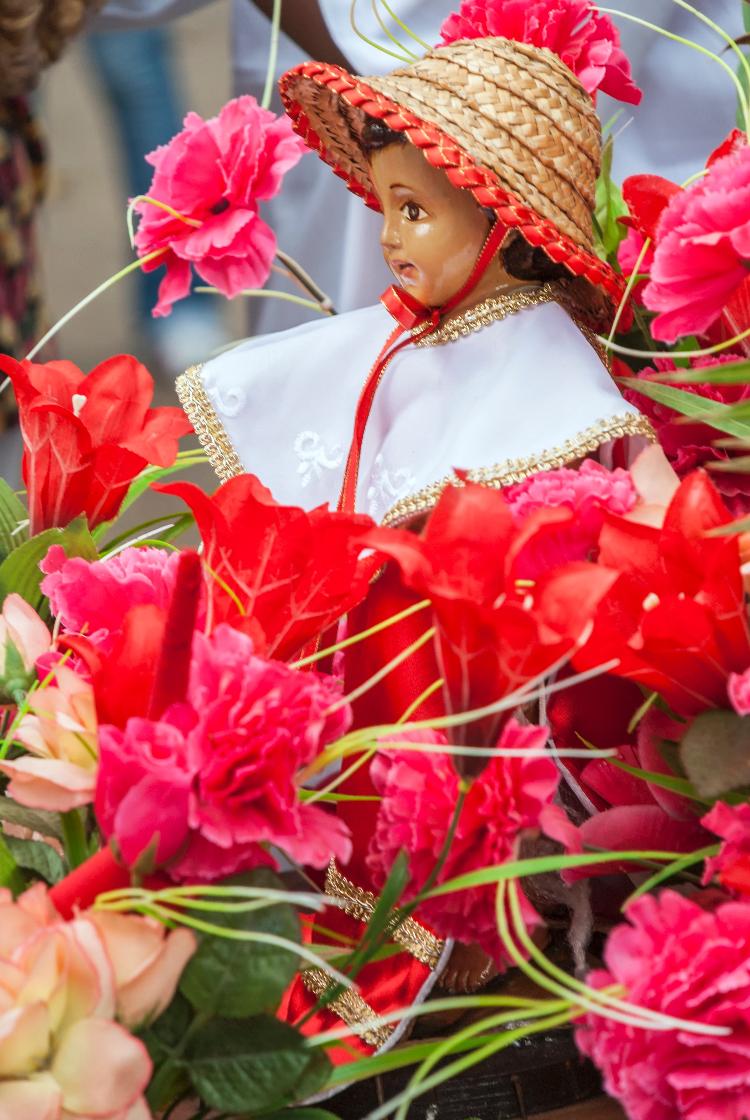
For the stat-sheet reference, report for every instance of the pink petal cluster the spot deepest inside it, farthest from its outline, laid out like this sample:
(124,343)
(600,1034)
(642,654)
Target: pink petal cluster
(214,174)
(68,991)
(205,789)
(702,251)
(689,445)
(586,41)
(732,824)
(512,796)
(629,257)
(24,638)
(59,731)
(93,598)
(587,493)
(738,689)
(678,958)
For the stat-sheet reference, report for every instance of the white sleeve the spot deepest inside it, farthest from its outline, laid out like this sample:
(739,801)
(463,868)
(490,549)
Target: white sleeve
(124,14)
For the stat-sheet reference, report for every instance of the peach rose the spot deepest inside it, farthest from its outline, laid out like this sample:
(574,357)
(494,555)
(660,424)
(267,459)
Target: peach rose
(23,639)
(62,985)
(60,734)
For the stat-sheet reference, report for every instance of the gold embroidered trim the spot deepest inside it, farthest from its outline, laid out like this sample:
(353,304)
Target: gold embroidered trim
(360,904)
(349,1006)
(516,470)
(489,311)
(208,428)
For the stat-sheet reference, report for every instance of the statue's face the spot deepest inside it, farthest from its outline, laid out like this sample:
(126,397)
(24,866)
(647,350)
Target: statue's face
(432,232)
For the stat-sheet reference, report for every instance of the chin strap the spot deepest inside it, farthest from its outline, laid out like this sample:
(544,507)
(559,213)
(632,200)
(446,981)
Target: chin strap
(413,316)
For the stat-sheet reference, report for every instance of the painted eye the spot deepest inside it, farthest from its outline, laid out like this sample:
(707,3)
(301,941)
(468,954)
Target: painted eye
(412,212)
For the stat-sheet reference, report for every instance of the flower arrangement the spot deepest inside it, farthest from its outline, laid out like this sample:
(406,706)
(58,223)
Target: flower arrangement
(176,728)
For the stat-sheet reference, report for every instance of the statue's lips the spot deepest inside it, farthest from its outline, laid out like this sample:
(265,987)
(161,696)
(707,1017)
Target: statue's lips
(405,270)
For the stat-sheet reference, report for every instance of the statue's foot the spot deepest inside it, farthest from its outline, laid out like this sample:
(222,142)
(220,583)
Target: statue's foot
(468,969)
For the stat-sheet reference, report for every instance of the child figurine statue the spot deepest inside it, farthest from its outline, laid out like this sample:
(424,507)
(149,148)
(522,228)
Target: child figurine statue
(483,158)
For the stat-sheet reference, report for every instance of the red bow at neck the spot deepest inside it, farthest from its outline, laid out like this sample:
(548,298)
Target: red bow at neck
(413,316)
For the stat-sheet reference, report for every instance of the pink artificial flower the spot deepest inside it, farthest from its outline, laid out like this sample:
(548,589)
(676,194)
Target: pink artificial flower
(702,250)
(59,732)
(738,690)
(93,597)
(214,782)
(24,638)
(511,797)
(214,173)
(63,985)
(678,958)
(732,824)
(587,42)
(629,257)
(587,493)
(690,444)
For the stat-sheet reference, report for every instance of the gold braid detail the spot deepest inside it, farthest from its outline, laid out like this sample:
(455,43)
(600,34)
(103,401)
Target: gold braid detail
(208,428)
(360,905)
(490,311)
(516,470)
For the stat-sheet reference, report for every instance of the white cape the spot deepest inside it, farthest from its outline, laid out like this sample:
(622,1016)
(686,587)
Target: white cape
(524,393)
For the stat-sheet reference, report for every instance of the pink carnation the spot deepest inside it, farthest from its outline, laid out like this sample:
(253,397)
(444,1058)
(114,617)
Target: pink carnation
(214,782)
(683,960)
(93,598)
(732,824)
(585,495)
(628,254)
(738,689)
(214,173)
(587,42)
(689,445)
(702,251)
(510,797)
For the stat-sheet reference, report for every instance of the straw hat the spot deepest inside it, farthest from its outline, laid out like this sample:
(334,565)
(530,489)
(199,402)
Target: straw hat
(507,121)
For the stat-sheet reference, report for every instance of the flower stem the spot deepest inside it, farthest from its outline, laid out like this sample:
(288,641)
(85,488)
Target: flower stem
(273,54)
(401,56)
(74,838)
(132,267)
(305,280)
(269,293)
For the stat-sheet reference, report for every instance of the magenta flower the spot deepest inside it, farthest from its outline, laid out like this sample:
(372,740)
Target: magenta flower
(93,597)
(511,797)
(678,958)
(738,689)
(732,824)
(587,42)
(214,174)
(214,782)
(702,251)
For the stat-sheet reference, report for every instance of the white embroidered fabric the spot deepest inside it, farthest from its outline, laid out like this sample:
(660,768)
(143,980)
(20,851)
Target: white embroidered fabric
(520,386)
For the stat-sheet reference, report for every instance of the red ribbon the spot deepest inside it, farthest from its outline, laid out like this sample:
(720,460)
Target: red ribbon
(410,315)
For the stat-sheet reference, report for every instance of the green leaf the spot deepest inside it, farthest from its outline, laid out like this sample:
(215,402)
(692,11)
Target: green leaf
(180,523)
(10,875)
(234,978)
(163,1040)
(715,753)
(664,781)
(20,572)
(36,856)
(253,1066)
(13,513)
(155,474)
(690,404)
(609,207)
(731,373)
(37,820)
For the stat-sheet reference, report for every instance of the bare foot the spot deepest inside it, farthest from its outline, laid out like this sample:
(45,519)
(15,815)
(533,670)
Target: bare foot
(468,969)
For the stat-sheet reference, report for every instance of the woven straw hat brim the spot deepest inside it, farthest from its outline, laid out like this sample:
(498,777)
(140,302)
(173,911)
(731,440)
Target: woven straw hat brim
(526,145)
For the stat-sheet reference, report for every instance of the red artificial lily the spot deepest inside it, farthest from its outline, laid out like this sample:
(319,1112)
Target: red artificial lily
(87,437)
(473,563)
(670,601)
(288,573)
(647,196)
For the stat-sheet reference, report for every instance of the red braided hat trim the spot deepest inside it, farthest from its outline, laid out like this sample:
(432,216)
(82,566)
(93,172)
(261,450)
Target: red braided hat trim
(444,153)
